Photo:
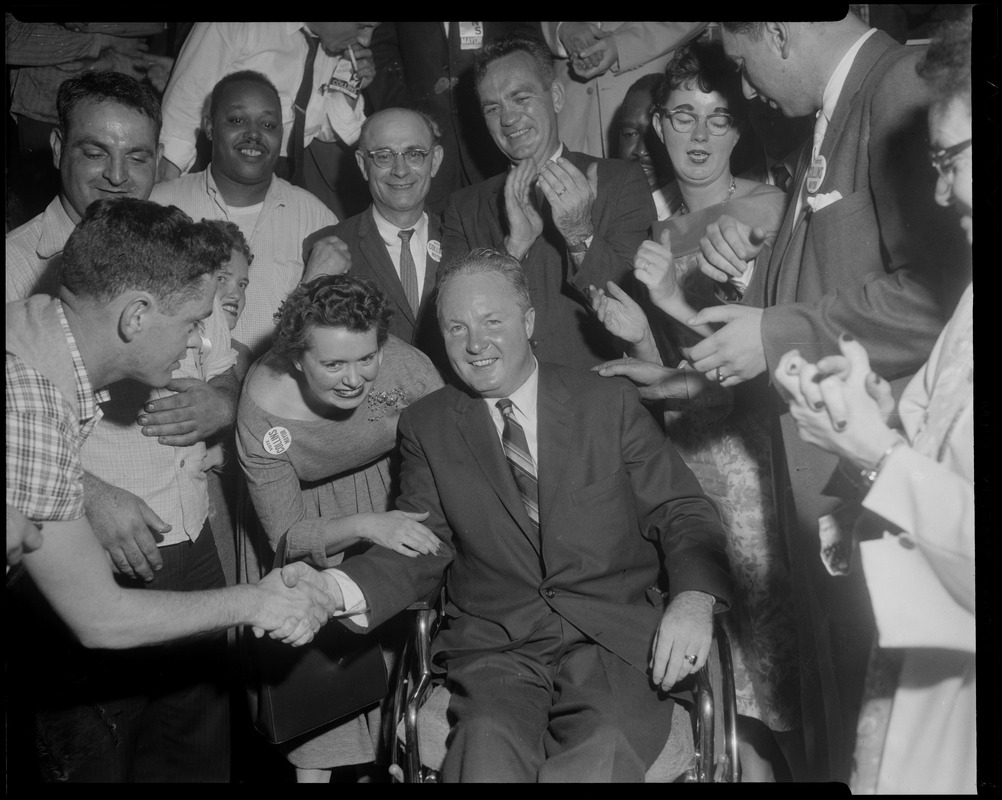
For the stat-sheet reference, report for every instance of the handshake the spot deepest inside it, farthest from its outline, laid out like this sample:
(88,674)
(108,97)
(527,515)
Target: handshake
(292,603)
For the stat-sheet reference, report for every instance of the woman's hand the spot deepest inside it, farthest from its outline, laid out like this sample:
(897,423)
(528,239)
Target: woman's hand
(839,404)
(654,267)
(401,531)
(620,314)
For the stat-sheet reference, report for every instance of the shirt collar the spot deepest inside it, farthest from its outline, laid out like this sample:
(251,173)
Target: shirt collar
(388,231)
(87,398)
(56,229)
(833,89)
(524,397)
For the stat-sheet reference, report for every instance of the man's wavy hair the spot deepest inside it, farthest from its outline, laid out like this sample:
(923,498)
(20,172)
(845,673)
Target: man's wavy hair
(485,260)
(129,244)
(330,301)
(502,46)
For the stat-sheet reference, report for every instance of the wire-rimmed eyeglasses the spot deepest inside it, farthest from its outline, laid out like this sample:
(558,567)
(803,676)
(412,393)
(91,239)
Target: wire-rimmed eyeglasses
(385,157)
(683,121)
(944,160)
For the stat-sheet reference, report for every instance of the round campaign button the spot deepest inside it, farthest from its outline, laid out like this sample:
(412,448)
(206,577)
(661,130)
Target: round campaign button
(816,173)
(435,249)
(277,440)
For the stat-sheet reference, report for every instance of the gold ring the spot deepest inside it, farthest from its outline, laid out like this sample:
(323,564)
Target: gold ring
(691,660)
(720,378)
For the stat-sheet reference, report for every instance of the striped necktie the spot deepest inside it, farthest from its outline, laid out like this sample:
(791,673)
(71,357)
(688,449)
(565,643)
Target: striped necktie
(408,271)
(516,449)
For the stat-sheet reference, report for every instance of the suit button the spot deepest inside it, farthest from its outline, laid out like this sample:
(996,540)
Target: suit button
(590,90)
(533,343)
(182,463)
(550,593)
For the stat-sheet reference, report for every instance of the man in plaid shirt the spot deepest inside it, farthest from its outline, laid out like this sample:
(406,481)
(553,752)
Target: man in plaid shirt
(137,279)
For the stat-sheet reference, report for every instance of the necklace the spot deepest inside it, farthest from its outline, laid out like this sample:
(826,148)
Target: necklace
(684,209)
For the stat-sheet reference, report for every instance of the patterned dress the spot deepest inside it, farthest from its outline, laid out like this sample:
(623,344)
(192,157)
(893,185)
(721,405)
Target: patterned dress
(728,449)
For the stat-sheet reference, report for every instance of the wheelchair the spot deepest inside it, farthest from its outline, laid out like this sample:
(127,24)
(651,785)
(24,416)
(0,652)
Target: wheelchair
(702,746)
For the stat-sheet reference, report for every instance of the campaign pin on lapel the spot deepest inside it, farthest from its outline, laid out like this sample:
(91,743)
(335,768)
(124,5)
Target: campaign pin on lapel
(816,173)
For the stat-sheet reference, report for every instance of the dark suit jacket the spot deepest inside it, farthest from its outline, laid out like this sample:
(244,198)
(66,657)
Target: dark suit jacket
(418,67)
(872,264)
(883,263)
(370,259)
(617,505)
(567,332)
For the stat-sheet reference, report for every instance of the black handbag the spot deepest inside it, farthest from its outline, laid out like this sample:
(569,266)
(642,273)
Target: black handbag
(296,690)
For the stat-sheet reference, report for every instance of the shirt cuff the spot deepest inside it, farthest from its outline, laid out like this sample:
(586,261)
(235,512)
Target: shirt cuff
(355,608)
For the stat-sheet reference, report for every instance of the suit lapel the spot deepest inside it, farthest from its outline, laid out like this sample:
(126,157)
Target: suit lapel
(555,440)
(792,238)
(477,429)
(374,249)
(431,265)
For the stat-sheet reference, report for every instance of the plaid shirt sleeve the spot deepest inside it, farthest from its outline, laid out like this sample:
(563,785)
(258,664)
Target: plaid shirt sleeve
(44,474)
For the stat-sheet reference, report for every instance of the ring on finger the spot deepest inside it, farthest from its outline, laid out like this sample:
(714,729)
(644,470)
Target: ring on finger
(691,660)
(720,378)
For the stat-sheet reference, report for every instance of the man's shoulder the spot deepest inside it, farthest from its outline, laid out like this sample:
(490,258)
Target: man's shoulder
(435,406)
(24,238)
(583,380)
(180,191)
(469,198)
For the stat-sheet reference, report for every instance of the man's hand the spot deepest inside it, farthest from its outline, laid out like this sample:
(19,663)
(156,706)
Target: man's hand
(736,349)
(598,58)
(524,223)
(686,629)
(330,256)
(571,196)
(294,602)
(365,65)
(195,413)
(23,536)
(158,70)
(126,527)
(577,36)
(727,247)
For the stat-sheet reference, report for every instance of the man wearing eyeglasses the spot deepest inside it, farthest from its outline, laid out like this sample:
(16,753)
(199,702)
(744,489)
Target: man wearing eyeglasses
(571,220)
(861,253)
(396,242)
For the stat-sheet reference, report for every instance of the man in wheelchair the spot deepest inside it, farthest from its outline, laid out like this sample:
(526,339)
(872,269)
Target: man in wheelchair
(564,512)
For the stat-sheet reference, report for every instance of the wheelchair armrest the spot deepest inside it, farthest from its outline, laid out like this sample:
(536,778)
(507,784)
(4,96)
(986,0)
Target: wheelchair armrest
(414,677)
(715,693)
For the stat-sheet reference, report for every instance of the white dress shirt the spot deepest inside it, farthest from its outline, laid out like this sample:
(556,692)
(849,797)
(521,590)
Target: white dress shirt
(389,233)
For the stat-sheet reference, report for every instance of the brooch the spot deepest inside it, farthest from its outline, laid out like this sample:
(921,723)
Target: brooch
(380,403)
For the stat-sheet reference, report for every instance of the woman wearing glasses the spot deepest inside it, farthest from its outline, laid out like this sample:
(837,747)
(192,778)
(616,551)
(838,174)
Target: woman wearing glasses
(316,436)
(917,729)
(722,434)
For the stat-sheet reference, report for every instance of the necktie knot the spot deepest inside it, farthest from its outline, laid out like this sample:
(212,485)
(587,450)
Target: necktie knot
(781,175)
(505,406)
(406,236)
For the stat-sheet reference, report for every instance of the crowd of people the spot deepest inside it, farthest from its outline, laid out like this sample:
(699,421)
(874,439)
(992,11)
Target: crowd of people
(617,327)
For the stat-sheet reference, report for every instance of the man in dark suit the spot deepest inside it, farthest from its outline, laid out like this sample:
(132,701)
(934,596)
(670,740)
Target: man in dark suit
(396,242)
(861,253)
(556,639)
(571,219)
(428,66)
